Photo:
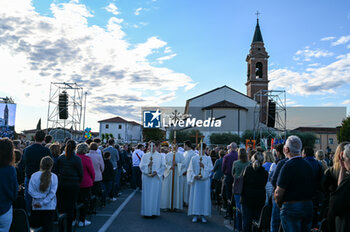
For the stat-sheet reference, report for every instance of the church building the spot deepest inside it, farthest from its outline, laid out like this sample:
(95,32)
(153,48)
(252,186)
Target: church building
(235,110)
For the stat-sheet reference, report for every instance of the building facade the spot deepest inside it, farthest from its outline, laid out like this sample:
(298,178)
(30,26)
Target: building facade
(326,137)
(123,131)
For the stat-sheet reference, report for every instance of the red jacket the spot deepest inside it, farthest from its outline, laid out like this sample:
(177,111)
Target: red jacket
(88,171)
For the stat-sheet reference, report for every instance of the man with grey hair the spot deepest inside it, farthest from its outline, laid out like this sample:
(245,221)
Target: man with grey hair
(295,189)
(227,163)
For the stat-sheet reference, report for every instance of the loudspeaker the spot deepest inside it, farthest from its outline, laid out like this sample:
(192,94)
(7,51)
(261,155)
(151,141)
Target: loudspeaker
(63,105)
(271,116)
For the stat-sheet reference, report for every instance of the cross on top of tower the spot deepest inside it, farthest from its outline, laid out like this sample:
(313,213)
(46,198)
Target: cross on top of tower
(257,15)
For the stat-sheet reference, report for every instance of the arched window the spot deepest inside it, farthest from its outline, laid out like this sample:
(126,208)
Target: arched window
(259,70)
(248,73)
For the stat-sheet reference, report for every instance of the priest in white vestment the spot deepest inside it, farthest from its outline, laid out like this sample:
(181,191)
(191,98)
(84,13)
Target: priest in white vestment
(168,179)
(198,176)
(189,153)
(152,167)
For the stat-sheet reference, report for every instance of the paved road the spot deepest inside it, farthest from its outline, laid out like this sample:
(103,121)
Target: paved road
(129,219)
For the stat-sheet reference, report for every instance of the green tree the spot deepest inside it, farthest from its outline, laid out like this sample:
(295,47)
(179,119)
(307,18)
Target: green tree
(183,135)
(224,138)
(111,136)
(344,132)
(153,134)
(308,139)
(103,137)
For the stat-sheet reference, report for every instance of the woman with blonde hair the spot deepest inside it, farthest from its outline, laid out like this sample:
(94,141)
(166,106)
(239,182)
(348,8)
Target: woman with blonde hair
(332,174)
(338,217)
(238,168)
(320,157)
(269,159)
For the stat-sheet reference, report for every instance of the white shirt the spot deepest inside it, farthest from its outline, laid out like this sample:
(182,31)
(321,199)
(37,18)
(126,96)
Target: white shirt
(46,199)
(135,159)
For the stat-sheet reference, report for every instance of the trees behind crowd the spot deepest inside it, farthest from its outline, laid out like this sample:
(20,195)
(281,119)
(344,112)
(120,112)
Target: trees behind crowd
(344,132)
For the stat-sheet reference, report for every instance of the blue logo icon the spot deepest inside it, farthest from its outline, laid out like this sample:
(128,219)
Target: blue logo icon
(151,118)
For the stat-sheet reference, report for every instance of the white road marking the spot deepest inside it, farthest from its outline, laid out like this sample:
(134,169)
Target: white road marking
(109,222)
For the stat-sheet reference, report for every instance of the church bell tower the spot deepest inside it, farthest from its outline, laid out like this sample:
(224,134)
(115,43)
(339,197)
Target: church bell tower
(257,61)
(6,115)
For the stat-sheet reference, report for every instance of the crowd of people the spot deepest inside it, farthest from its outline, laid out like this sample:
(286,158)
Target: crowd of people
(302,189)
(46,178)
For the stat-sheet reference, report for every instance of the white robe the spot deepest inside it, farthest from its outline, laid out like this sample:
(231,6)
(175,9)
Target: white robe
(178,183)
(151,186)
(199,201)
(188,156)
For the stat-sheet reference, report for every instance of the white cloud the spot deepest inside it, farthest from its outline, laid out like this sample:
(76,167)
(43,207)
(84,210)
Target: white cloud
(290,102)
(118,75)
(328,38)
(314,64)
(346,102)
(162,59)
(168,50)
(137,11)
(112,8)
(306,54)
(341,40)
(321,80)
(341,56)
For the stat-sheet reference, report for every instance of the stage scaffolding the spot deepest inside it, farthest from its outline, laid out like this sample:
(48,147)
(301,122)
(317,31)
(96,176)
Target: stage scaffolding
(75,107)
(261,114)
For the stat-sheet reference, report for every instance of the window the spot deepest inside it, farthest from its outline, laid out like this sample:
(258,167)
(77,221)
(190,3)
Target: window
(119,137)
(330,140)
(317,141)
(259,70)
(248,73)
(107,126)
(120,127)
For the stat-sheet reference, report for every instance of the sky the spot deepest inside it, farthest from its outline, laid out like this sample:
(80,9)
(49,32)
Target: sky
(127,54)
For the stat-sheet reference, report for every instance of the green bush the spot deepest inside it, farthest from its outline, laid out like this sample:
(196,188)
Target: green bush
(183,135)
(152,134)
(224,138)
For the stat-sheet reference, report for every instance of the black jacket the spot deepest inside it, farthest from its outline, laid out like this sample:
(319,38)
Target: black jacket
(32,156)
(254,182)
(70,171)
(107,174)
(339,208)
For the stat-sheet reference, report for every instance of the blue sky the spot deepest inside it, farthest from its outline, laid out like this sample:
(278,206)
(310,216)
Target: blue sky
(195,46)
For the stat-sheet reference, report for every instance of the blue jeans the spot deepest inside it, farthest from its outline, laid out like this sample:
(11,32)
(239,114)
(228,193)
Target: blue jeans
(238,223)
(27,196)
(275,217)
(297,216)
(6,220)
(248,215)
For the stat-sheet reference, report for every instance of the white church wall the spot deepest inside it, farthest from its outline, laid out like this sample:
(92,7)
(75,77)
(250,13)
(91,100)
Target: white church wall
(220,95)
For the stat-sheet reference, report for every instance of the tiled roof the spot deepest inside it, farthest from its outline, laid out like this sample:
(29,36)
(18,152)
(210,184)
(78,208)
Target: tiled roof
(224,104)
(119,120)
